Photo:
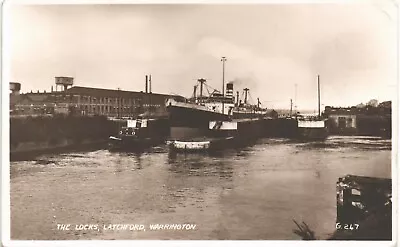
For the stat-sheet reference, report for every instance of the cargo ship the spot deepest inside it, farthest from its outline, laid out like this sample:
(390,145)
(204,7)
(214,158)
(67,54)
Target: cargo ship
(191,117)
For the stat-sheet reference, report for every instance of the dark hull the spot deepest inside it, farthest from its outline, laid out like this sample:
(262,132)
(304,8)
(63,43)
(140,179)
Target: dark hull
(133,144)
(312,134)
(192,118)
(243,115)
(155,133)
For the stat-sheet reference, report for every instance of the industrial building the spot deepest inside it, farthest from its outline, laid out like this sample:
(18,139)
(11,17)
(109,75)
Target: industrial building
(359,120)
(78,100)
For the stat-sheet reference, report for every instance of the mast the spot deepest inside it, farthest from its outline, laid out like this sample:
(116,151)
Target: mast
(223,59)
(291,105)
(319,99)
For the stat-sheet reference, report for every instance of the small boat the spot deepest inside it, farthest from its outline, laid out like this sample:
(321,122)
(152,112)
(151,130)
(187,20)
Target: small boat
(205,144)
(221,135)
(140,133)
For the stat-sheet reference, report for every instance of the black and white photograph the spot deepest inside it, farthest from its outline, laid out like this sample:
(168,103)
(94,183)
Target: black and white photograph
(199,121)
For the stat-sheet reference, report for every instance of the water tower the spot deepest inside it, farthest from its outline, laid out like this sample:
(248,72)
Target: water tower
(15,88)
(64,82)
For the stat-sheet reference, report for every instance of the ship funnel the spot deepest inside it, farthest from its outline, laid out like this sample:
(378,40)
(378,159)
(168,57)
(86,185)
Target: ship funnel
(229,89)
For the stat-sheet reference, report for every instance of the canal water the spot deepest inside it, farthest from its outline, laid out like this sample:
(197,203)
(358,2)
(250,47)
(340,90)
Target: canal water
(251,193)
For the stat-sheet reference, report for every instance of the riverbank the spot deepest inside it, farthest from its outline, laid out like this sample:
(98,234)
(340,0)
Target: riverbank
(32,136)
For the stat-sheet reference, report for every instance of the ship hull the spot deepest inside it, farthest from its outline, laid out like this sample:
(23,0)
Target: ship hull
(192,117)
(132,143)
(312,134)
(186,122)
(243,115)
(312,130)
(141,134)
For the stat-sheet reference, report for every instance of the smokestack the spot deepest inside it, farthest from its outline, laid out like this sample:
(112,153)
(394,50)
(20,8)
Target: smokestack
(237,97)
(51,88)
(147,79)
(229,89)
(194,91)
(150,83)
(246,90)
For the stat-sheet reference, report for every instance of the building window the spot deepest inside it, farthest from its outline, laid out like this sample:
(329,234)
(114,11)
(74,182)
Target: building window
(349,122)
(342,122)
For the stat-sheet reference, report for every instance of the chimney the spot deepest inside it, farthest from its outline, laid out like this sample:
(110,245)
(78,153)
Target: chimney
(237,97)
(149,83)
(147,79)
(194,91)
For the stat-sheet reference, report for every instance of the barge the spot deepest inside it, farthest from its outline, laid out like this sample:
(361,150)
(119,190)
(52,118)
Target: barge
(312,128)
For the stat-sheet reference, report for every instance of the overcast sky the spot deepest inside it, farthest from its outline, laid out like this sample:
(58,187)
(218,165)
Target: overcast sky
(269,49)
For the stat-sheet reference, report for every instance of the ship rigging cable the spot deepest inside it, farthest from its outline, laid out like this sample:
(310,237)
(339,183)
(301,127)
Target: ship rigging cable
(207,87)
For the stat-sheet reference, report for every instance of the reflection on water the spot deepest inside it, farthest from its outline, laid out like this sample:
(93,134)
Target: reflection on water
(248,193)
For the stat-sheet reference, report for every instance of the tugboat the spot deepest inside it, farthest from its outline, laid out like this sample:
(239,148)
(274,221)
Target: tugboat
(150,128)
(312,128)
(140,133)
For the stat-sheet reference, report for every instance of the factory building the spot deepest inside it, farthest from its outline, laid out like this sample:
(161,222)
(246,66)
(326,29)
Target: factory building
(359,120)
(78,100)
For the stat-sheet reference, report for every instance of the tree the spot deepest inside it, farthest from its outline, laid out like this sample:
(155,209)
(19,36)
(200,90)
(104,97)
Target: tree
(361,105)
(373,102)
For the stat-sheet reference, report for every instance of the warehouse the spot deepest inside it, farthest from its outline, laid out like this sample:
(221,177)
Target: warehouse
(78,100)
